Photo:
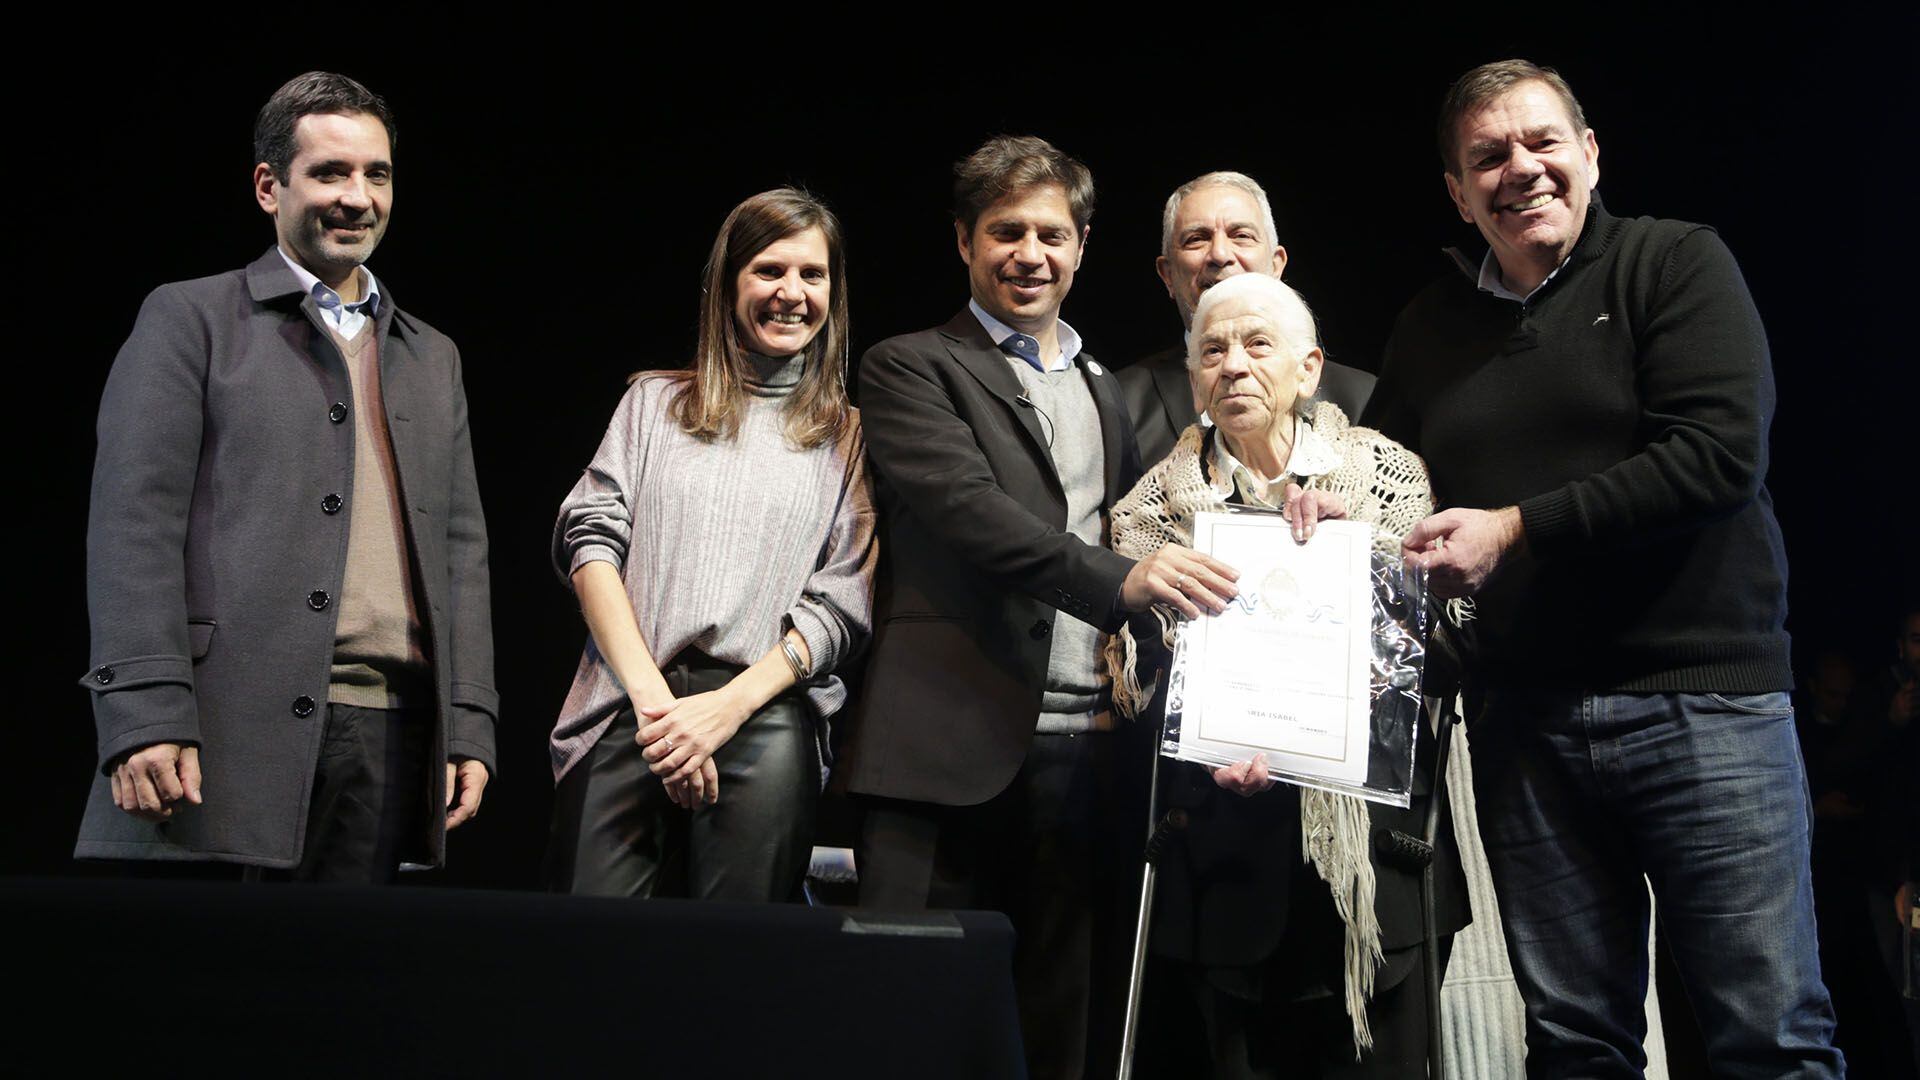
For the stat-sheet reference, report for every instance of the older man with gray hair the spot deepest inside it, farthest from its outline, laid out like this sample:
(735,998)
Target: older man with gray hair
(1214,227)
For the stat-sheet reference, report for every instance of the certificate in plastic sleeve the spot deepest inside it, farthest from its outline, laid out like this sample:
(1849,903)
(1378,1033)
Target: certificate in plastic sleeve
(1283,671)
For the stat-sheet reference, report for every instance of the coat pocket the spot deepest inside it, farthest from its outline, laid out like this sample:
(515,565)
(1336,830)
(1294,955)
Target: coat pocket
(199,638)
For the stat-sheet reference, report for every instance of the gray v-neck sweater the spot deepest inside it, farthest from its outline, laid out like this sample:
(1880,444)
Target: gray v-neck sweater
(1075,697)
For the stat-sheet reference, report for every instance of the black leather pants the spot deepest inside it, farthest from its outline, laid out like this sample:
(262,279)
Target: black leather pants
(616,833)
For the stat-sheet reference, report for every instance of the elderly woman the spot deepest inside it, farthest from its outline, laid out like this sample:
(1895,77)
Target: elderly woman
(1275,952)
(726,526)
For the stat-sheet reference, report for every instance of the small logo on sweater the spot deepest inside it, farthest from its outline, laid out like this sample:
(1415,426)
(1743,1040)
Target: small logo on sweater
(1603,317)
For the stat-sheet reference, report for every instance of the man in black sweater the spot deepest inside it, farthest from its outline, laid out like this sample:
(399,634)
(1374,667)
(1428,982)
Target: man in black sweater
(1593,400)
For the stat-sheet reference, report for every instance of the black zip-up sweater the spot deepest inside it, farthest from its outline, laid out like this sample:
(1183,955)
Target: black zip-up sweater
(1624,408)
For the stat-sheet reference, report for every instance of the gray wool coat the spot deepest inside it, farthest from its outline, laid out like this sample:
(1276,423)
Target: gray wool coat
(223,439)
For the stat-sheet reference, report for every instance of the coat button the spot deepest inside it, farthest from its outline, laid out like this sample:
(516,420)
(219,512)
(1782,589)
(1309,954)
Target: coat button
(103,674)
(318,599)
(338,414)
(332,503)
(1040,630)
(1177,818)
(303,706)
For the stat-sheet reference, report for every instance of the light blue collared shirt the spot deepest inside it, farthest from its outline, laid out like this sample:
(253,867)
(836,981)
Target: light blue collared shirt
(346,319)
(1492,282)
(1000,332)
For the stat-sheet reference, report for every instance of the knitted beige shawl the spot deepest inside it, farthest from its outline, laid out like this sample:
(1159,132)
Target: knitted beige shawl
(1383,484)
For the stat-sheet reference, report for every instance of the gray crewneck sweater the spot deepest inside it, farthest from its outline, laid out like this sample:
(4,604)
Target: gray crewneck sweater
(722,545)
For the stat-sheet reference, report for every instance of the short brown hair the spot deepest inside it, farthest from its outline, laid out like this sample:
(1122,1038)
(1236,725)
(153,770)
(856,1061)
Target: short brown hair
(710,403)
(1487,82)
(1006,164)
(305,95)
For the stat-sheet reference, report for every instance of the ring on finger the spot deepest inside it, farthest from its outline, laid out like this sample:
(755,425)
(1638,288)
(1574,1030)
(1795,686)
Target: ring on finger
(1180,584)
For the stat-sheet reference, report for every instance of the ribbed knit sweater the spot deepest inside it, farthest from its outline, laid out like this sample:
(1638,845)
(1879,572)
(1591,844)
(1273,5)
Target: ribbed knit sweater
(1624,409)
(722,544)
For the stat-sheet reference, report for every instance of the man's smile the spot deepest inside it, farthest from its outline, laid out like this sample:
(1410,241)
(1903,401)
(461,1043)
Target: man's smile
(1532,202)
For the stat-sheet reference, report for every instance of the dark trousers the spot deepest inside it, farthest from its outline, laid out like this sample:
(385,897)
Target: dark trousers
(1314,1037)
(371,791)
(1029,852)
(615,832)
(369,812)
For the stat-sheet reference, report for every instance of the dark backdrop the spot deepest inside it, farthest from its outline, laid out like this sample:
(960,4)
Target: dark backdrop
(557,192)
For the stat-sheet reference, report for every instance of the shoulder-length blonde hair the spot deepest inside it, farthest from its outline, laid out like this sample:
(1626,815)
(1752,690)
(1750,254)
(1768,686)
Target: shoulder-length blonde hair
(710,402)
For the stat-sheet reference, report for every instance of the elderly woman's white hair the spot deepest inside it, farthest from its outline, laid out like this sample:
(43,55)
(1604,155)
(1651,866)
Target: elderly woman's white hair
(1270,296)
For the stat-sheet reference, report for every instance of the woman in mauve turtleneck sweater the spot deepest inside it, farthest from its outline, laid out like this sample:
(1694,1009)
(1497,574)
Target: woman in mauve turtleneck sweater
(722,548)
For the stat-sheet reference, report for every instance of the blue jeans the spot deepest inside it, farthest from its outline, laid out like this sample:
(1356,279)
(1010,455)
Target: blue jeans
(1705,794)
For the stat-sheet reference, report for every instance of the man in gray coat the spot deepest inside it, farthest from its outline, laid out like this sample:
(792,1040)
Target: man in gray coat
(292,658)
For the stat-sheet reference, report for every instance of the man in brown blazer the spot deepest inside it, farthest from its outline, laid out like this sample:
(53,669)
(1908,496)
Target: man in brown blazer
(292,658)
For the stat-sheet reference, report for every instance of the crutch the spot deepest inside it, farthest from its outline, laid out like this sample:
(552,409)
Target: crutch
(1156,836)
(1410,853)
(1429,916)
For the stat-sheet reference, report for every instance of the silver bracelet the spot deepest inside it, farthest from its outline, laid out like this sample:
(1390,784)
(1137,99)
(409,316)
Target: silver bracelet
(793,659)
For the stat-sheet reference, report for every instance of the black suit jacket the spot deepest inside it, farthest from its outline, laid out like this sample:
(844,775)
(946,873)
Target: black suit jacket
(1161,403)
(975,562)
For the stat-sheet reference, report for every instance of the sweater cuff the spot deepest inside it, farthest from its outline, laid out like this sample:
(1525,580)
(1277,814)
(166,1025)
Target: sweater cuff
(587,553)
(823,652)
(1552,522)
